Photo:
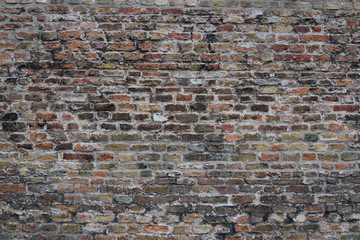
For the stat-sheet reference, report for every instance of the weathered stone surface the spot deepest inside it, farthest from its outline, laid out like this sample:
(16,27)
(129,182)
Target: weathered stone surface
(179,119)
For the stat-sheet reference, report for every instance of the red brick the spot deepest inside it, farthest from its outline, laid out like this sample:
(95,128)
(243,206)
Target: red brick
(172,11)
(346,108)
(299,91)
(243,199)
(59,9)
(12,188)
(226,28)
(345,166)
(130,10)
(336,127)
(279,47)
(351,22)
(302,29)
(45,146)
(210,58)
(270,157)
(180,36)
(240,228)
(69,35)
(302,58)
(314,38)
(148,47)
(156,228)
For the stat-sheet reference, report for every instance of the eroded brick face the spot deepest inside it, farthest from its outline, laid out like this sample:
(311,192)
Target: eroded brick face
(179,120)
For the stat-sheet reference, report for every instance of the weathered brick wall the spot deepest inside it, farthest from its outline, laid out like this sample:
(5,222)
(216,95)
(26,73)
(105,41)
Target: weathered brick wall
(179,120)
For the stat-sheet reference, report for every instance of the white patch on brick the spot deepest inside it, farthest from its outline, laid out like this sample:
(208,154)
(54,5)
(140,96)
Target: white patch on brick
(157,117)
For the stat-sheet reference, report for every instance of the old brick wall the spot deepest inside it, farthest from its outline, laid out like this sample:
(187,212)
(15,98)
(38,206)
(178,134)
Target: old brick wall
(179,120)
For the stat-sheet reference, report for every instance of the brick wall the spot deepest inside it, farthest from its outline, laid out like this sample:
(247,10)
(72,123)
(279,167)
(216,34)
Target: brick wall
(179,120)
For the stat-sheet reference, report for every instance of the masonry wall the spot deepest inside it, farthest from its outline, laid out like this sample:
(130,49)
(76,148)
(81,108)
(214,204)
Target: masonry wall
(179,120)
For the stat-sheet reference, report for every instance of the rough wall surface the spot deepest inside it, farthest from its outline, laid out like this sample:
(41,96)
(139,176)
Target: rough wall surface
(179,120)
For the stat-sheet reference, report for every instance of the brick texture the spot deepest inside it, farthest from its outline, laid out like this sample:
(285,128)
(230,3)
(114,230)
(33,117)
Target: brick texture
(179,119)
